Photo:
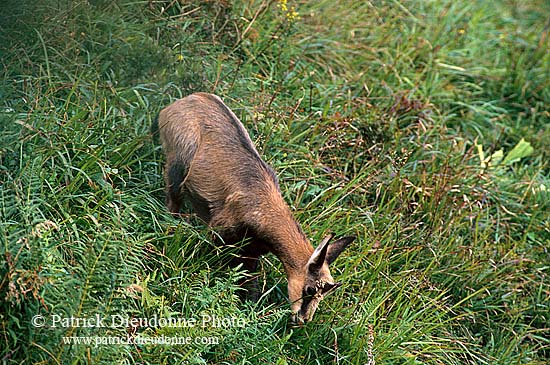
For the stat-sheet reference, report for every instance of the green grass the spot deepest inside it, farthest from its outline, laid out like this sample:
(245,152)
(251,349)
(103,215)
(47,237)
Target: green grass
(372,114)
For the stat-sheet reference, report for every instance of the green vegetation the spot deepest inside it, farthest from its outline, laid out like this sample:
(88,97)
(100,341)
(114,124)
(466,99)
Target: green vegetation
(420,126)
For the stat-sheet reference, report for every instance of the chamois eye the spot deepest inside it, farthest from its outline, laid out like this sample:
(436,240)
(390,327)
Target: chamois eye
(310,291)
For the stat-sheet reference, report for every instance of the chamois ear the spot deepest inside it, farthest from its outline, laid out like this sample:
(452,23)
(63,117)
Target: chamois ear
(318,256)
(336,248)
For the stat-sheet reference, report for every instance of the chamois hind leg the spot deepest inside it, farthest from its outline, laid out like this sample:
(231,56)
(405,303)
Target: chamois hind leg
(173,176)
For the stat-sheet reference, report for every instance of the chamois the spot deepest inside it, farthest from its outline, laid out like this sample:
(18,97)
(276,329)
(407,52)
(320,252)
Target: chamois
(212,162)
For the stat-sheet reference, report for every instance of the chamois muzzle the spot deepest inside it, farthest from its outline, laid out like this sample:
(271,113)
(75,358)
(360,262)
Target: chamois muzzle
(311,300)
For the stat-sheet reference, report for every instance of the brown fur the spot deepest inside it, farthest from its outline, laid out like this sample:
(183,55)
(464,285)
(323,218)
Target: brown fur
(211,161)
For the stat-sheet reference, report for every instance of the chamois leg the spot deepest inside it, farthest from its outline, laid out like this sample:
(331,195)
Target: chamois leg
(173,175)
(250,250)
(250,282)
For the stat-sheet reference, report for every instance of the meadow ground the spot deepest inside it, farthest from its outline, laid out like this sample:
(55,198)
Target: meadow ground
(422,127)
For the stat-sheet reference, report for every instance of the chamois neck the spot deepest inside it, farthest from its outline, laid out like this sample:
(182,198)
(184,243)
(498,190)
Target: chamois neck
(285,237)
(291,246)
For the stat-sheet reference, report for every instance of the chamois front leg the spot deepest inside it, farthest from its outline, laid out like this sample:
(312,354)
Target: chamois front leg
(249,283)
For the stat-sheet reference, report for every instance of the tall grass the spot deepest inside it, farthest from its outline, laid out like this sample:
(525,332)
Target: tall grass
(373,115)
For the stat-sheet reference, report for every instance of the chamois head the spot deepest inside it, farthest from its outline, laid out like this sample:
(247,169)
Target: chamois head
(309,287)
